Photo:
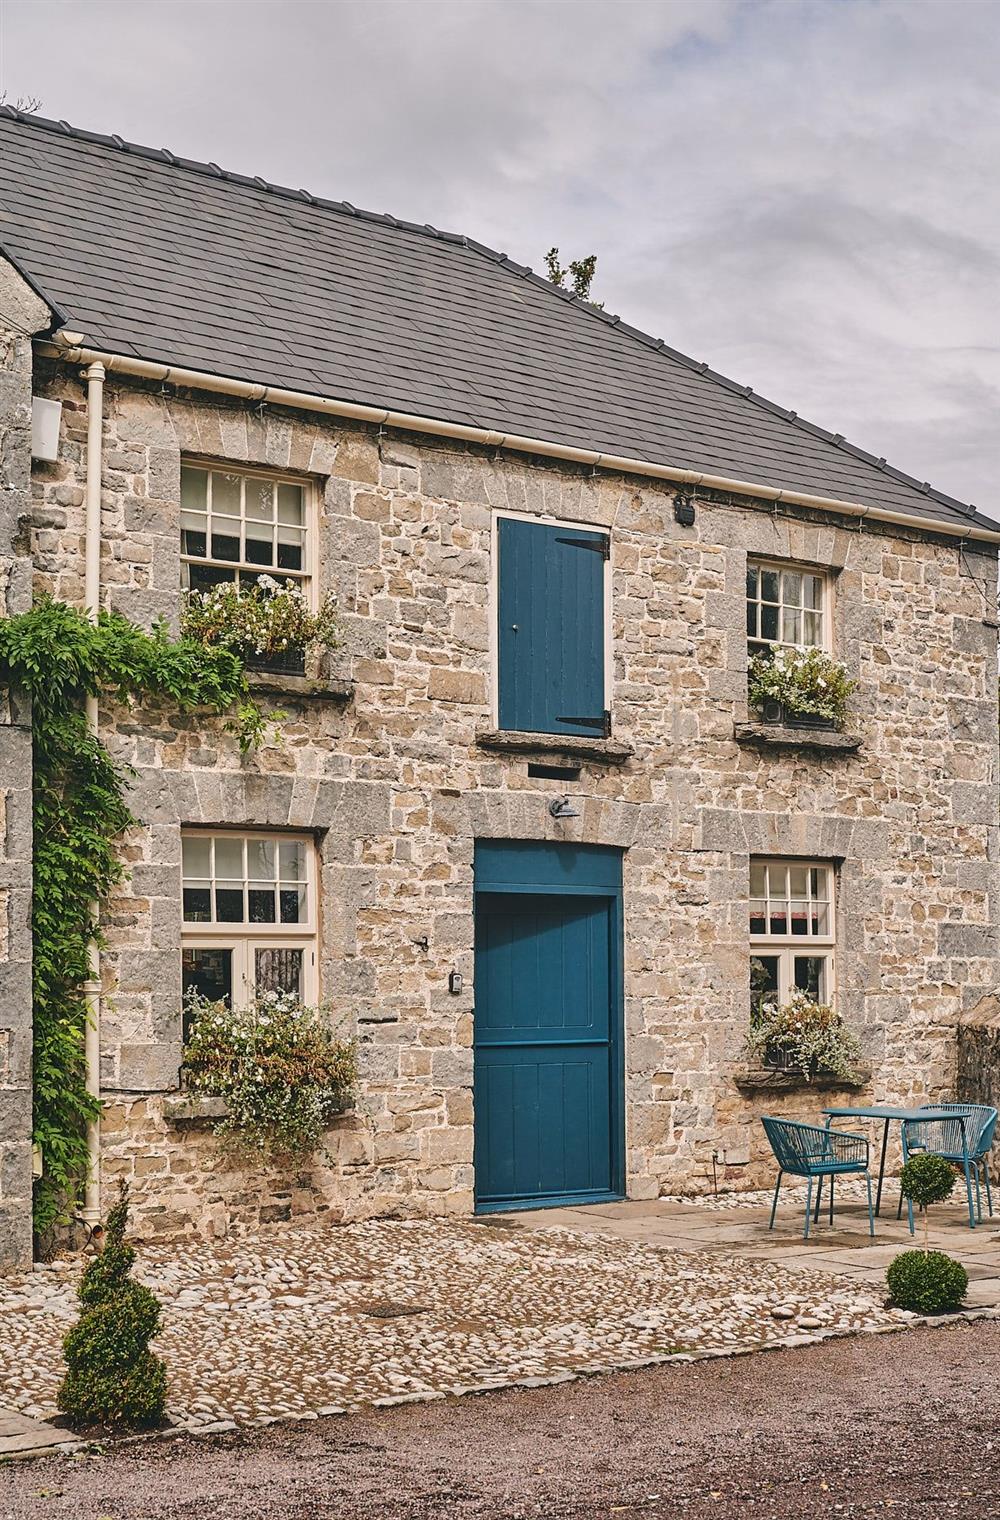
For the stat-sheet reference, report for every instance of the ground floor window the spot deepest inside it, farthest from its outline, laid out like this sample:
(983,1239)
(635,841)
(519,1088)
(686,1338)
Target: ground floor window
(791,931)
(249,915)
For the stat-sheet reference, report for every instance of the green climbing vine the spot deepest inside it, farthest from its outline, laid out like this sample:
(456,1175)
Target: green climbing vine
(59,658)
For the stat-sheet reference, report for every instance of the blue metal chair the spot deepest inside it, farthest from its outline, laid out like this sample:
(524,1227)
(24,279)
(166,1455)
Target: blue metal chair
(965,1140)
(812,1151)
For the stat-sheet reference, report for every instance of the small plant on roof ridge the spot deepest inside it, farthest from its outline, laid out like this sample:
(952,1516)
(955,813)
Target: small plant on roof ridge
(580,271)
(112,1377)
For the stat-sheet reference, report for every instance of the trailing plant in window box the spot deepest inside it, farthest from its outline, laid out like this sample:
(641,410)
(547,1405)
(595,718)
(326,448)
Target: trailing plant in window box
(806,1036)
(280,1068)
(58,657)
(269,626)
(805,684)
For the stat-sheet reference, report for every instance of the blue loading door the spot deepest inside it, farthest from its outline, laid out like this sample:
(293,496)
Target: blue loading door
(547,1078)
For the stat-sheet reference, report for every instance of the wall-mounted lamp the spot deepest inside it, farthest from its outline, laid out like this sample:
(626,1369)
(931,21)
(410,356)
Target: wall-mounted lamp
(684,511)
(561,807)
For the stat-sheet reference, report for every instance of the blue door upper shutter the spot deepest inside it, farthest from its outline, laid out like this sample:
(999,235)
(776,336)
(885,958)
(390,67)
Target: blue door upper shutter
(551,634)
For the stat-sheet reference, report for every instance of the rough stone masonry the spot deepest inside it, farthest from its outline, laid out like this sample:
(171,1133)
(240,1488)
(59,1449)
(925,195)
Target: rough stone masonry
(395,787)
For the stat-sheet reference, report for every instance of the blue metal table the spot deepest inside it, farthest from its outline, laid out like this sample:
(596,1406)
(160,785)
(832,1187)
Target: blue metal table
(889,1115)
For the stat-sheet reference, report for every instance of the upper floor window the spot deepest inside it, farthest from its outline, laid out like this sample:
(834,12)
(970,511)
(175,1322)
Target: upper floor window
(239,525)
(249,915)
(552,591)
(786,606)
(791,930)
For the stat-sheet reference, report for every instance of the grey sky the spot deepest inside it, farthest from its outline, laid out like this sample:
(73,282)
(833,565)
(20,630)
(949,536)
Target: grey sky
(803,192)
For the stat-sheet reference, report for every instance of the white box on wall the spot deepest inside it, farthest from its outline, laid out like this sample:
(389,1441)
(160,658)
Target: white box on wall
(45,419)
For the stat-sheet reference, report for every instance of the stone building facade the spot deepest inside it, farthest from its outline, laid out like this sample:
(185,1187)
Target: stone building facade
(521,832)
(395,775)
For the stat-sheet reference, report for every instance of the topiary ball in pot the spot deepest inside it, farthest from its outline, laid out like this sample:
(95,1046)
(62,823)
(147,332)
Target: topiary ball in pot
(928,1282)
(112,1377)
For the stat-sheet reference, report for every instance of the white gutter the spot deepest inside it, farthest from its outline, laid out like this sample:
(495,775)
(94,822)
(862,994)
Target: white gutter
(92,598)
(147,369)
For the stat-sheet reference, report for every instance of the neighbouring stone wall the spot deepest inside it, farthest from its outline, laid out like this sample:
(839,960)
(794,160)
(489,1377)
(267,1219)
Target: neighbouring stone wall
(395,789)
(21,313)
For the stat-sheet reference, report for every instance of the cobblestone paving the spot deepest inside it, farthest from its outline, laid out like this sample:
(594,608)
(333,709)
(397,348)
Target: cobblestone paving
(310,1321)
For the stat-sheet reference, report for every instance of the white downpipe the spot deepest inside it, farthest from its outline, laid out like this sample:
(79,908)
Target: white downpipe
(68,347)
(92,599)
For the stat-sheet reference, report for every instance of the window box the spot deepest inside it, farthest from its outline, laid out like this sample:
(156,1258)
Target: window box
(287,662)
(762,1079)
(778,713)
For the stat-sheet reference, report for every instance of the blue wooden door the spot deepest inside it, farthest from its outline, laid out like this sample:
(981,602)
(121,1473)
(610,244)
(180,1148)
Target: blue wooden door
(546,1068)
(550,618)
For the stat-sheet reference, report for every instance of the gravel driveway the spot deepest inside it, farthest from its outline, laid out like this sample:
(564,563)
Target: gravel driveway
(906,1425)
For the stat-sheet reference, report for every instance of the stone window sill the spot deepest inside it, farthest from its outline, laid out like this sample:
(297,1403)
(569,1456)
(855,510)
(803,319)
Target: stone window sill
(299,688)
(194,1108)
(575,746)
(782,736)
(764,1079)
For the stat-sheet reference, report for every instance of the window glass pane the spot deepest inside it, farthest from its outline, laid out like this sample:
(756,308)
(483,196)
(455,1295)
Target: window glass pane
(769,581)
(810,976)
(204,577)
(278,970)
(763,982)
(293,905)
(229,905)
(291,860)
(752,619)
(226,494)
(289,549)
(820,918)
(193,484)
(758,915)
(797,878)
(799,916)
(225,546)
(290,506)
(778,921)
(818,882)
(791,585)
(791,625)
(193,542)
(260,500)
(812,628)
(259,548)
(261,898)
(197,905)
(752,582)
(260,859)
(758,879)
(229,857)
(208,971)
(195,855)
(768,622)
(812,591)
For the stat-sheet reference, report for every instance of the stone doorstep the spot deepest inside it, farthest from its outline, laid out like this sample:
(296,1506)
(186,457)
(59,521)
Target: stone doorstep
(21,1436)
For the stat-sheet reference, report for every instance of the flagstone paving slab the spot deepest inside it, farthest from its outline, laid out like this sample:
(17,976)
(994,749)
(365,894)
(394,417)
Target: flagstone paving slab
(315,1319)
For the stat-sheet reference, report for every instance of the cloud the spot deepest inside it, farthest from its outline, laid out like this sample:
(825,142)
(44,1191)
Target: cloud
(805,195)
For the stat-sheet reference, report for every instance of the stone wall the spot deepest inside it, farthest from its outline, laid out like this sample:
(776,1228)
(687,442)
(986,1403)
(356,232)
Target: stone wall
(395,789)
(21,313)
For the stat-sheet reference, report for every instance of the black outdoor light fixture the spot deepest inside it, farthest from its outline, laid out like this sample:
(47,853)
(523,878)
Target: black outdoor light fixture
(684,510)
(561,807)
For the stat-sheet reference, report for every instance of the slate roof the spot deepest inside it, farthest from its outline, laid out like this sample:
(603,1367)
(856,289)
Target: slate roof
(181,262)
